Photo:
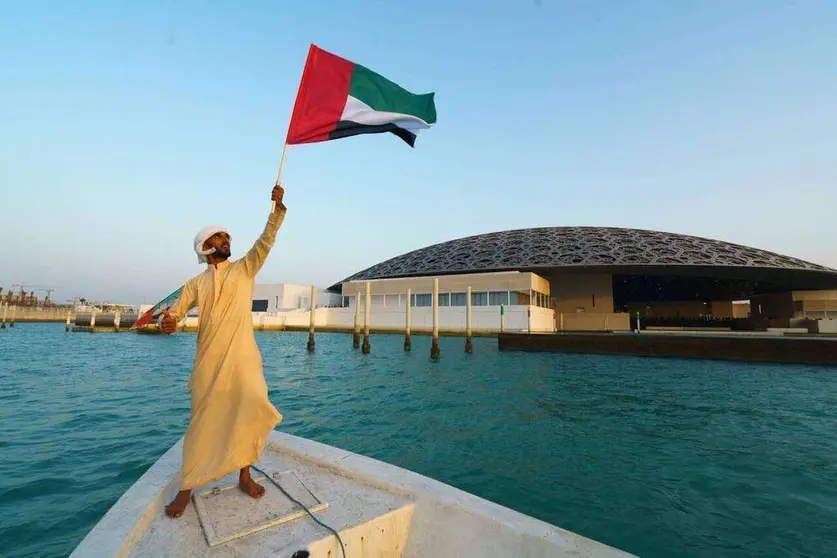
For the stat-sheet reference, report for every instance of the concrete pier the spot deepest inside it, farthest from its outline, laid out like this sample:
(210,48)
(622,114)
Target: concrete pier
(435,352)
(469,342)
(366,348)
(33,314)
(356,333)
(311,343)
(753,347)
(96,322)
(408,338)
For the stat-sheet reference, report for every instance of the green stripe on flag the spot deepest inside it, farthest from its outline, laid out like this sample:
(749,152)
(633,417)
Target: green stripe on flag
(386,96)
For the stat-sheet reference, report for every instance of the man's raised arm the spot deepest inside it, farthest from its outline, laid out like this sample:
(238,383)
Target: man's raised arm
(257,255)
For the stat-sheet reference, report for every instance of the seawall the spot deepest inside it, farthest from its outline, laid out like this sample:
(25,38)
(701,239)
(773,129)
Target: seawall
(795,349)
(24,314)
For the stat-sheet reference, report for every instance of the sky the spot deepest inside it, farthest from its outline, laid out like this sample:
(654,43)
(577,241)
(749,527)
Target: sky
(125,127)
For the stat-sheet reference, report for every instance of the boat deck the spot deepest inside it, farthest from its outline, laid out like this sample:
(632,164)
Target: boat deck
(349,503)
(378,509)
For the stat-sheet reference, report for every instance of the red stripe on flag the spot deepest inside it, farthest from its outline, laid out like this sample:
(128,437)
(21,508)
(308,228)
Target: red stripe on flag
(321,98)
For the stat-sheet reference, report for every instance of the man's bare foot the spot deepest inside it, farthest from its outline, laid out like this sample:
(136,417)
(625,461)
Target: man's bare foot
(248,485)
(176,507)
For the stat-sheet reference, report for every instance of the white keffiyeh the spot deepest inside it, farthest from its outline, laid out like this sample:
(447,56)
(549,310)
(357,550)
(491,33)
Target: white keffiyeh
(202,236)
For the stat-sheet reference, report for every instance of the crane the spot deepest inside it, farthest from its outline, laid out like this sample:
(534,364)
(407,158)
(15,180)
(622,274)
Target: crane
(30,300)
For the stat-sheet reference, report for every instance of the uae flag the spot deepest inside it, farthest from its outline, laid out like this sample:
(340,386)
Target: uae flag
(338,99)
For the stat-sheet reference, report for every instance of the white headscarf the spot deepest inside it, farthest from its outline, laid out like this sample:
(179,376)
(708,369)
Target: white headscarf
(202,237)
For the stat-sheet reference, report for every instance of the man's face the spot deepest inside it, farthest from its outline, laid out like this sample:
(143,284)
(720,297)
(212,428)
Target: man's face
(221,242)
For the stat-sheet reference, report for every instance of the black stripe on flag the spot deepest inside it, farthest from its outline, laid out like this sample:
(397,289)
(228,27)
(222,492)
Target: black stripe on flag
(347,128)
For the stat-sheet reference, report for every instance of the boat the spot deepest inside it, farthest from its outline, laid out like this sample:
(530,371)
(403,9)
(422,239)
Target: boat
(322,502)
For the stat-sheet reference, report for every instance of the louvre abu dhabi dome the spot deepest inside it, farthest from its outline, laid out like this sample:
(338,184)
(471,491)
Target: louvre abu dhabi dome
(620,252)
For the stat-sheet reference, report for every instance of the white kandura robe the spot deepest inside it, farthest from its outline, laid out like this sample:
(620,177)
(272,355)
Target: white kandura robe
(231,413)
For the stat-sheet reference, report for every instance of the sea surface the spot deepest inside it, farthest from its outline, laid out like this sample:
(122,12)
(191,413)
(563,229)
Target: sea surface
(659,457)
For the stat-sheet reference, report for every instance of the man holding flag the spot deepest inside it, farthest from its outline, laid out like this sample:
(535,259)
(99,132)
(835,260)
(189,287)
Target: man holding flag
(231,414)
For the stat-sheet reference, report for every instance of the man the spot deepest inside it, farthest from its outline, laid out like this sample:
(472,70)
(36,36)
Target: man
(231,414)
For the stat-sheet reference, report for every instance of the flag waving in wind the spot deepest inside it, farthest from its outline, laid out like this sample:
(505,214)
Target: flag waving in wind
(338,99)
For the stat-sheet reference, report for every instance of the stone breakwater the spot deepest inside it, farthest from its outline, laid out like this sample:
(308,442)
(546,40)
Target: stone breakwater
(30,314)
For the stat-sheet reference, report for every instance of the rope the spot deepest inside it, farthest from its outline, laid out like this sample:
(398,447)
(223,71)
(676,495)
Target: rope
(303,506)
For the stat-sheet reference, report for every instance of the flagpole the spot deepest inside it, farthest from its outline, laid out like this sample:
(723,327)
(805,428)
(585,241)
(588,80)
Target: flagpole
(281,163)
(279,172)
(291,121)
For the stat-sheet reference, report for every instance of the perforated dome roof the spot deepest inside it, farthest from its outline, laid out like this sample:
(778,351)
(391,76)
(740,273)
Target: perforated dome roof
(579,247)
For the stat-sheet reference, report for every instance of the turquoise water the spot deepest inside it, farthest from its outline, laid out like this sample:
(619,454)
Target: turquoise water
(655,456)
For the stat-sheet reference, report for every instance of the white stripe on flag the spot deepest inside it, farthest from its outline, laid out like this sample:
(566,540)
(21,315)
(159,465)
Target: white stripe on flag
(358,111)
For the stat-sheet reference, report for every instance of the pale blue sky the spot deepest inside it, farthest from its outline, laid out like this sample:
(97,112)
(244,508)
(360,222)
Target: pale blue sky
(127,126)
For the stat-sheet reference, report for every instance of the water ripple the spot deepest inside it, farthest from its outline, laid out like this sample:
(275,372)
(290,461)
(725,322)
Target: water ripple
(659,457)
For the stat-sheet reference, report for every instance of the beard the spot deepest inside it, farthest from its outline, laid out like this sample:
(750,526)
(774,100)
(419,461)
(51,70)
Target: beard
(223,252)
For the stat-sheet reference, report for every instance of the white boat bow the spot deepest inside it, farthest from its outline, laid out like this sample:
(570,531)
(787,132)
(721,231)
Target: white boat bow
(378,510)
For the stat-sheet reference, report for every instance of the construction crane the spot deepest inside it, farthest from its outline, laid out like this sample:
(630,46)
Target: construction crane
(30,300)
